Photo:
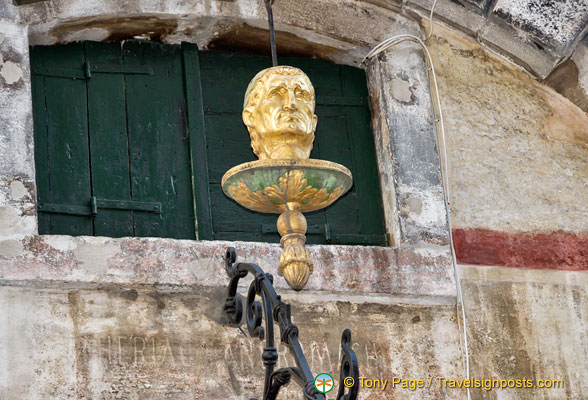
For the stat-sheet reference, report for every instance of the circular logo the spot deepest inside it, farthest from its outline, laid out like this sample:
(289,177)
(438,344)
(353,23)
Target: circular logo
(324,383)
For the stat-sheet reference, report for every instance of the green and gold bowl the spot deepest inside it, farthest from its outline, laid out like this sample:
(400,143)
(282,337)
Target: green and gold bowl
(275,186)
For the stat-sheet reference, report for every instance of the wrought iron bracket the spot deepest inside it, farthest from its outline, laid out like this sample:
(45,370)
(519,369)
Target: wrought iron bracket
(275,310)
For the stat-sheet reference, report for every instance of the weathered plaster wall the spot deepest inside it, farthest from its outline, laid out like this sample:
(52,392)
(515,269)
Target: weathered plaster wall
(170,343)
(528,324)
(17,172)
(518,158)
(518,150)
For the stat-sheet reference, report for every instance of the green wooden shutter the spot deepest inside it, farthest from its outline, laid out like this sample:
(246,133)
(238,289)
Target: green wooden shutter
(111,140)
(61,137)
(198,153)
(133,140)
(343,135)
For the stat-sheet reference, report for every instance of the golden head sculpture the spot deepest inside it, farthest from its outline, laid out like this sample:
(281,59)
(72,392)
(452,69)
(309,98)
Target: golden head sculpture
(279,113)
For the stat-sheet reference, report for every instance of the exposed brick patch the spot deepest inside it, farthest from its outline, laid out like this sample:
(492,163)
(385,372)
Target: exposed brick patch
(557,250)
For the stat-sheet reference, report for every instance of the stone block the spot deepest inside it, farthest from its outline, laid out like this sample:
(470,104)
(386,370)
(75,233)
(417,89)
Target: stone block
(555,24)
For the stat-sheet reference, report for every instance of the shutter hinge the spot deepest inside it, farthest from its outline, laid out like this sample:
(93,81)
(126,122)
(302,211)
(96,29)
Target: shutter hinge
(87,69)
(327,233)
(93,206)
(96,204)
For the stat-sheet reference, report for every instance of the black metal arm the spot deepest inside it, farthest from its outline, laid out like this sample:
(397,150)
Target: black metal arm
(274,309)
(270,21)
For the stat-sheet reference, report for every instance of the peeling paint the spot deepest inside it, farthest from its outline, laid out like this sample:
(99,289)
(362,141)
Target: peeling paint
(11,248)
(11,72)
(18,190)
(95,34)
(425,208)
(13,224)
(59,243)
(97,256)
(401,90)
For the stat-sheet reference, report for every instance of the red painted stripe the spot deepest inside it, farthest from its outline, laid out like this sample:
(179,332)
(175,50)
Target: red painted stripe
(558,250)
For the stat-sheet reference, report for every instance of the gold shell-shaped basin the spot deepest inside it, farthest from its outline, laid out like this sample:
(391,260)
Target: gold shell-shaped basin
(274,186)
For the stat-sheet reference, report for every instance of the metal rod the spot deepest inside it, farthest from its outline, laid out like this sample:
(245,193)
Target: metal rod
(270,20)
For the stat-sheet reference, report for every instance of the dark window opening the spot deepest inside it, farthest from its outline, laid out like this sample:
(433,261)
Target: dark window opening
(133,139)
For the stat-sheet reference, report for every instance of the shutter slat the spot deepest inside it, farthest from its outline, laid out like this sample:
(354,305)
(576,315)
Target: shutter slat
(158,140)
(67,156)
(109,141)
(197,133)
(366,183)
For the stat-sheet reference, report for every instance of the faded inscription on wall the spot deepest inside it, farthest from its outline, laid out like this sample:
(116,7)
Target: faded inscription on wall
(146,352)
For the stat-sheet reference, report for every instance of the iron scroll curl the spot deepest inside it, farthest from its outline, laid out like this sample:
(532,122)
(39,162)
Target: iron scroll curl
(274,310)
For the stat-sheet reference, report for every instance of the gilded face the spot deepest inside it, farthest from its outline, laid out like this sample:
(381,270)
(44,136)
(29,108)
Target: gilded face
(281,120)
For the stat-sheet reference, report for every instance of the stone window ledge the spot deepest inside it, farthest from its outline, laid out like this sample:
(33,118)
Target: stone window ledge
(421,272)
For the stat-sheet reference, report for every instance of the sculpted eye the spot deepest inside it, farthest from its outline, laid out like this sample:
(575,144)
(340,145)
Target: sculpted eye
(279,91)
(302,94)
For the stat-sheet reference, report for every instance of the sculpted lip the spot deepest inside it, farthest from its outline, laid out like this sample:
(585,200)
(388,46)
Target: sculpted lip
(290,116)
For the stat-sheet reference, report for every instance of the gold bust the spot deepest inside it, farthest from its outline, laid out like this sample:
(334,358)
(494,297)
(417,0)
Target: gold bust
(279,113)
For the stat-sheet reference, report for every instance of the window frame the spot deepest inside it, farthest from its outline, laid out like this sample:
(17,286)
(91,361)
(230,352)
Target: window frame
(196,131)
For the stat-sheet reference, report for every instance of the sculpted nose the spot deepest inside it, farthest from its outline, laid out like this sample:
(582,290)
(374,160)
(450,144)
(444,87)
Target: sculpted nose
(290,101)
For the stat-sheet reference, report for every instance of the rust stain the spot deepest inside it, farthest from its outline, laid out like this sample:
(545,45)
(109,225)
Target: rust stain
(128,294)
(511,357)
(81,348)
(557,250)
